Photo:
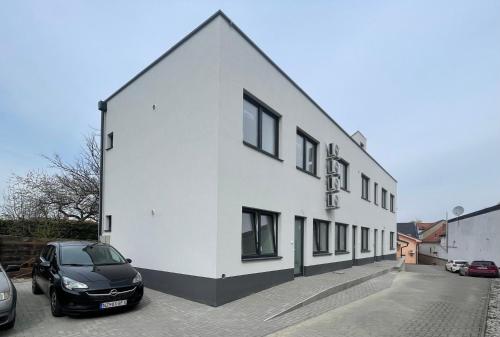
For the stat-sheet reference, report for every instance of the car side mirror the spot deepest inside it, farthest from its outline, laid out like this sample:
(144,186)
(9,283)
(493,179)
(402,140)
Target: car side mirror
(12,268)
(128,260)
(45,264)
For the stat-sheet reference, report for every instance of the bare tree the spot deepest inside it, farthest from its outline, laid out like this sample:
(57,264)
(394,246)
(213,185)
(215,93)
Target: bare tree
(72,192)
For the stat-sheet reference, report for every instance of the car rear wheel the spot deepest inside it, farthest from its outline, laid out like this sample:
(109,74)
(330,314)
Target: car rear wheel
(55,306)
(35,289)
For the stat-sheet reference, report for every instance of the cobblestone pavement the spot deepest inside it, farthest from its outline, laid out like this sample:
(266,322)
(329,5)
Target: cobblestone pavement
(164,315)
(423,301)
(493,319)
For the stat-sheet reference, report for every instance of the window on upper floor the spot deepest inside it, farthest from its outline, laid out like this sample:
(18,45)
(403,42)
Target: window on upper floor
(391,203)
(321,231)
(384,198)
(109,141)
(364,239)
(344,174)
(306,148)
(340,237)
(365,187)
(259,231)
(260,127)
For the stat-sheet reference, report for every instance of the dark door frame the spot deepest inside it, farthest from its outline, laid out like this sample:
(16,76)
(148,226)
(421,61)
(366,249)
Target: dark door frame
(382,232)
(302,224)
(353,248)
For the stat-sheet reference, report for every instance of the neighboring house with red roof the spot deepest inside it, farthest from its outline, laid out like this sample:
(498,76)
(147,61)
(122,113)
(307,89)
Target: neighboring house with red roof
(423,226)
(408,248)
(434,241)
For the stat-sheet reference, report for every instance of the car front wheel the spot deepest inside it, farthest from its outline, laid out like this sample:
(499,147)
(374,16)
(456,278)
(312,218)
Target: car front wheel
(11,324)
(55,306)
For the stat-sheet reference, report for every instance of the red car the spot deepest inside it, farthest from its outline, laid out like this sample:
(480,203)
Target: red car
(483,268)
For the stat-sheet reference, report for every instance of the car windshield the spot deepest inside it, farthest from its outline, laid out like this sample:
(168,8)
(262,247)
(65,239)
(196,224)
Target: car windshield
(460,262)
(483,263)
(90,255)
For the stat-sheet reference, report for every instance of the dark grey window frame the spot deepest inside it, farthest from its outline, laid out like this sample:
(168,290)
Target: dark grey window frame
(384,198)
(256,224)
(338,237)
(261,109)
(365,243)
(375,193)
(363,179)
(307,138)
(317,237)
(391,235)
(345,174)
(110,141)
(108,224)
(391,202)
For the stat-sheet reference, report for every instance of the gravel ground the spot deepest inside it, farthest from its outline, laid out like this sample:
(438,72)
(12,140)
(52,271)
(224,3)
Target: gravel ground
(493,319)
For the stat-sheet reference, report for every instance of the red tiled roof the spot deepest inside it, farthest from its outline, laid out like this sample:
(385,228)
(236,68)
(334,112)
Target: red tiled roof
(436,236)
(422,226)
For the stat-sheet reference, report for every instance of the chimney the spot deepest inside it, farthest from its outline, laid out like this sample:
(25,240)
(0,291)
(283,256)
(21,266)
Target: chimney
(359,139)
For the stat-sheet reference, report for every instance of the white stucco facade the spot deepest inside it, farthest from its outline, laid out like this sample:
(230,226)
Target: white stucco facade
(475,237)
(179,174)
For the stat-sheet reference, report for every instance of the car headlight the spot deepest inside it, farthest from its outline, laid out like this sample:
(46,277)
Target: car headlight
(4,296)
(137,278)
(71,284)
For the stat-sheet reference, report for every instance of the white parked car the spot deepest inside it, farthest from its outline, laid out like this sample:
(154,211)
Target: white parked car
(454,265)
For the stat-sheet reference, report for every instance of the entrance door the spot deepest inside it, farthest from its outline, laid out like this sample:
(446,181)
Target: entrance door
(375,243)
(353,245)
(298,268)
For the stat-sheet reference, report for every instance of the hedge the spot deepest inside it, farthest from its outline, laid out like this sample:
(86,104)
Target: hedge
(49,229)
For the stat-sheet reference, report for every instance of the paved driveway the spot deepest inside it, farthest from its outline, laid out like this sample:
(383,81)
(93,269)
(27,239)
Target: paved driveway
(424,301)
(164,315)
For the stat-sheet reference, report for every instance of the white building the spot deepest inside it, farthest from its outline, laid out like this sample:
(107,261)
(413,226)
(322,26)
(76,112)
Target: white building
(214,174)
(475,236)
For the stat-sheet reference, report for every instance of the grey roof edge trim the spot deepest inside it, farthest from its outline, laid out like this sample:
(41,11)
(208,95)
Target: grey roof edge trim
(476,213)
(231,23)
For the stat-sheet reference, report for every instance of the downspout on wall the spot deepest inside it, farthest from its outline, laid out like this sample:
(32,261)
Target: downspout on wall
(103,107)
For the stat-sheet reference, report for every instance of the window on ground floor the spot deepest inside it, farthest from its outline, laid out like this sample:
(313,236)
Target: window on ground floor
(364,238)
(107,224)
(320,233)
(392,240)
(340,237)
(259,233)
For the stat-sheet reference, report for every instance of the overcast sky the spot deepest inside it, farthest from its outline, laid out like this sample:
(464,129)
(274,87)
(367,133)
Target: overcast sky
(420,79)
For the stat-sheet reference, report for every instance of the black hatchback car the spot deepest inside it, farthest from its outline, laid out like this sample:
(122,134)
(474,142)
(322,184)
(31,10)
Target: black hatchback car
(82,277)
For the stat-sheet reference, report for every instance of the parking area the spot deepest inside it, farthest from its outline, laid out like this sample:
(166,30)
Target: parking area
(160,314)
(424,301)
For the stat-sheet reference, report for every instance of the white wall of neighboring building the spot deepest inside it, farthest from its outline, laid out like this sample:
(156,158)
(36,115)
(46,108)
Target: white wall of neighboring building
(475,238)
(437,249)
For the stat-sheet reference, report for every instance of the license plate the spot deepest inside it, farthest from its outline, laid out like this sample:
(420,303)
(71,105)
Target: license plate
(114,304)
